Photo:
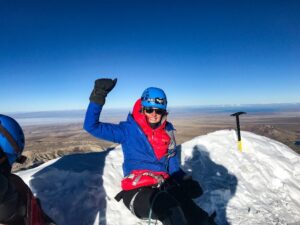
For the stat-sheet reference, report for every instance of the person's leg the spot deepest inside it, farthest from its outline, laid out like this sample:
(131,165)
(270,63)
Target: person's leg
(167,209)
(193,213)
(161,205)
(138,201)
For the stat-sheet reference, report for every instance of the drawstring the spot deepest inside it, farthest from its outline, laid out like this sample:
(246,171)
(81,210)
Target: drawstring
(150,212)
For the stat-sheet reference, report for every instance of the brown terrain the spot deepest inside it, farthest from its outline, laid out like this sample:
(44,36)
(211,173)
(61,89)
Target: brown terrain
(46,142)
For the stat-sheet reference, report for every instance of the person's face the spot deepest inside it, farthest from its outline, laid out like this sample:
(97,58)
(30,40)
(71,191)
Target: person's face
(153,115)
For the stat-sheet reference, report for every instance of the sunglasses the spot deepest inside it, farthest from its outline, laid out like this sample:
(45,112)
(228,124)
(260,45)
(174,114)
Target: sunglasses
(157,111)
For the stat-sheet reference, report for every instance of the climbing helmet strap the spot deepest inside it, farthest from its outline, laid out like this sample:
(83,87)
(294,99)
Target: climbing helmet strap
(10,139)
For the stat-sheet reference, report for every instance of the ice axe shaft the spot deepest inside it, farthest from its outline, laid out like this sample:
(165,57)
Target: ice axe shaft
(237,114)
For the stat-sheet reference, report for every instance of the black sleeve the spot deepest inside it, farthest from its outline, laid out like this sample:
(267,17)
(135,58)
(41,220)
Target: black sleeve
(10,204)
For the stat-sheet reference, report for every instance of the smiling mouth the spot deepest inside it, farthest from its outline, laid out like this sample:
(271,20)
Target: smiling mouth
(153,119)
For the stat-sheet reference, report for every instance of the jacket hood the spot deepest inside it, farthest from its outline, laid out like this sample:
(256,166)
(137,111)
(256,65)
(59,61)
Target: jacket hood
(140,118)
(157,137)
(137,109)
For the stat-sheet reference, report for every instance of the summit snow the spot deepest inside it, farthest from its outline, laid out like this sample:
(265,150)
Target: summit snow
(260,185)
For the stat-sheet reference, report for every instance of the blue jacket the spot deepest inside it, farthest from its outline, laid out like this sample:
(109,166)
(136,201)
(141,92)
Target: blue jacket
(138,153)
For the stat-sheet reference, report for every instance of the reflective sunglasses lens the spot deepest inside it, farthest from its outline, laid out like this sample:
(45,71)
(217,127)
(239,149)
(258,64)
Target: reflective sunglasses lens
(157,111)
(160,111)
(149,110)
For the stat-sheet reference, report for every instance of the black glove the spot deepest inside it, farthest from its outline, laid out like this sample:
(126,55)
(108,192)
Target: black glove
(101,89)
(191,187)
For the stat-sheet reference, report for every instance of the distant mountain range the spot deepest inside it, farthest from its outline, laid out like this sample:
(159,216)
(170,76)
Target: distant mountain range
(70,116)
(254,108)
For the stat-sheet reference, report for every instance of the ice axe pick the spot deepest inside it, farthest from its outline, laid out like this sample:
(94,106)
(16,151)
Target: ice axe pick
(237,114)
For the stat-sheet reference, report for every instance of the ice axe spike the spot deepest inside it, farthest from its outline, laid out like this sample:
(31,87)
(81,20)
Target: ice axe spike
(237,114)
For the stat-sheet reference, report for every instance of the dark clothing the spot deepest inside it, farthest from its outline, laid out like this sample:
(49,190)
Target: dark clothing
(12,203)
(17,200)
(169,205)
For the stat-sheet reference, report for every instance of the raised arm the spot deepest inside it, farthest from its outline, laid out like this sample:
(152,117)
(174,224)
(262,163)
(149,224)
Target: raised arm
(106,131)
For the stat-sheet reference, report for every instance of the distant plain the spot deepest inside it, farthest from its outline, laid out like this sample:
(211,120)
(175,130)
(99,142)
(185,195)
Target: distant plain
(53,134)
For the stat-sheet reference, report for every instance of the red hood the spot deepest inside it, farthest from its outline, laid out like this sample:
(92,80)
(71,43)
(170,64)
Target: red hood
(140,118)
(137,108)
(158,137)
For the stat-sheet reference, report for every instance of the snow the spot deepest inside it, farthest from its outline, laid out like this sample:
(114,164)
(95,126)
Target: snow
(260,185)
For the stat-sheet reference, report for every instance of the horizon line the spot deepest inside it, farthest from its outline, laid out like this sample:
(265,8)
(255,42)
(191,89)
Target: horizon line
(170,107)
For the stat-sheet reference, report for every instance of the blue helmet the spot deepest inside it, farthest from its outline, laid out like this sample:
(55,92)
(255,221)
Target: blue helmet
(12,139)
(154,97)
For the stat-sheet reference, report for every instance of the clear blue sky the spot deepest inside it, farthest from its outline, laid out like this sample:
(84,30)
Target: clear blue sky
(199,52)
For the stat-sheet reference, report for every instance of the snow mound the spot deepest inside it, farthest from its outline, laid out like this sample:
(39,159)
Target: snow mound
(257,186)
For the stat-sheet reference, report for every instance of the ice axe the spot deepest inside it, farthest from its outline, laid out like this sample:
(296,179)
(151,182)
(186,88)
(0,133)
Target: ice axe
(237,114)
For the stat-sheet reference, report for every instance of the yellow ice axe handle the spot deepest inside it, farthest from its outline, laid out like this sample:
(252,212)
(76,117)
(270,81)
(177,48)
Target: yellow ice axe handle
(240,146)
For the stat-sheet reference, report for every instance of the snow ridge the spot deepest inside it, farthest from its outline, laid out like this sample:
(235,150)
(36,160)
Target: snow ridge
(257,186)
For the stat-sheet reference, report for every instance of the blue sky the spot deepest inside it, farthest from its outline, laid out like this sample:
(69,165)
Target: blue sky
(199,52)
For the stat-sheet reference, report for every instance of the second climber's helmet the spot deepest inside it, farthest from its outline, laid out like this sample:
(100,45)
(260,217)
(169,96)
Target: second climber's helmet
(12,139)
